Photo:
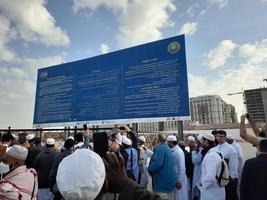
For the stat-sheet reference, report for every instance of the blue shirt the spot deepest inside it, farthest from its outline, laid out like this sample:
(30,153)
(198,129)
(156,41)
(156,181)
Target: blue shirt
(161,169)
(134,160)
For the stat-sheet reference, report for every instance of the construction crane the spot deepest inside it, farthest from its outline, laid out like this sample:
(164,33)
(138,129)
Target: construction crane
(230,94)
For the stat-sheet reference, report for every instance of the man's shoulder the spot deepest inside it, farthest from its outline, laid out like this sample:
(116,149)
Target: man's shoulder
(251,163)
(259,159)
(164,148)
(229,148)
(213,153)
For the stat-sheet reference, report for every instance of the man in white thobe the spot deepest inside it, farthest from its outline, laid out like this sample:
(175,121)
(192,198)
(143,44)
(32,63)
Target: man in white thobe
(181,190)
(144,157)
(211,167)
(240,155)
(230,155)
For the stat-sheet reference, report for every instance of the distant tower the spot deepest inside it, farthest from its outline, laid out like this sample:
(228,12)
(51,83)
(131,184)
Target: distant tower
(256,103)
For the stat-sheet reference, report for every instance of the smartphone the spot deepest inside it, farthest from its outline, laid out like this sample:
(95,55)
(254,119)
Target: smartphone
(122,128)
(100,141)
(85,127)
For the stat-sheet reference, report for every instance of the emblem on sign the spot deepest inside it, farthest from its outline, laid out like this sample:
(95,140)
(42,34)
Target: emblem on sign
(174,47)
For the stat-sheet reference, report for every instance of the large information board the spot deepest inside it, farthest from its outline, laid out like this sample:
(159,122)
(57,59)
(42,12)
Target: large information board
(145,83)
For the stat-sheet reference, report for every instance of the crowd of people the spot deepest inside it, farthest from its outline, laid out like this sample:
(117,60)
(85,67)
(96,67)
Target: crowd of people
(206,166)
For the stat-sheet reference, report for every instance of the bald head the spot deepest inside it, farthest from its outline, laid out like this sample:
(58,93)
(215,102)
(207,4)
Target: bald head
(162,138)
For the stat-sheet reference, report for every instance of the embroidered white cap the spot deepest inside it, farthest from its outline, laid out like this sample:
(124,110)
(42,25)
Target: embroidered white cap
(199,137)
(30,137)
(230,137)
(70,137)
(18,151)
(208,136)
(191,138)
(142,138)
(171,138)
(50,141)
(86,181)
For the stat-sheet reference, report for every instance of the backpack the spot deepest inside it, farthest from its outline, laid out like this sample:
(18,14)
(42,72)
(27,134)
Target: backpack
(223,178)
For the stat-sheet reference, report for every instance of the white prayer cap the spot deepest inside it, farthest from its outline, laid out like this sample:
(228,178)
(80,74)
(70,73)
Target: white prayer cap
(14,136)
(142,138)
(171,138)
(30,137)
(70,137)
(208,136)
(50,141)
(230,137)
(126,140)
(86,181)
(199,137)
(191,138)
(17,151)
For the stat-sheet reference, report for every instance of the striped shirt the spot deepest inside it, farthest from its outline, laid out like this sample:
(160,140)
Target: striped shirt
(19,184)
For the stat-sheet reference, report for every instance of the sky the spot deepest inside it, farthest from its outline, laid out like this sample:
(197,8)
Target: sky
(226,43)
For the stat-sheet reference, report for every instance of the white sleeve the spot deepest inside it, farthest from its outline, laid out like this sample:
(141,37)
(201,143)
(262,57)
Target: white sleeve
(233,163)
(149,152)
(211,169)
(181,163)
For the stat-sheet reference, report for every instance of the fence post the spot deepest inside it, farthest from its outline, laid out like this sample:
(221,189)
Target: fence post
(180,130)
(41,134)
(65,132)
(9,130)
(75,131)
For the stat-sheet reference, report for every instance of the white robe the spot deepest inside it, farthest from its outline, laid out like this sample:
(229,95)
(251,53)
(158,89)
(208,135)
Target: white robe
(197,161)
(144,176)
(180,173)
(211,167)
(240,156)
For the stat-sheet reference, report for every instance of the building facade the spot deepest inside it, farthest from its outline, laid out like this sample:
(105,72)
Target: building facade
(148,127)
(211,109)
(256,103)
(208,109)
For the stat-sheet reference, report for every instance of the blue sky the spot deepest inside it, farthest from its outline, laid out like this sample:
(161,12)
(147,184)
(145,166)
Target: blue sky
(226,42)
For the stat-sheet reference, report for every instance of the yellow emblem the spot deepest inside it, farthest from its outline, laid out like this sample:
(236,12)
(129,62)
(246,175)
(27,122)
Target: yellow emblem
(174,47)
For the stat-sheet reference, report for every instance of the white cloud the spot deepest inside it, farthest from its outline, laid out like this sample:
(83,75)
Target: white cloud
(202,12)
(191,11)
(104,48)
(33,22)
(217,57)
(256,53)
(115,5)
(220,3)
(6,34)
(18,89)
(139,21)
(248,75)
(189,28)
(17,104)
(31,64)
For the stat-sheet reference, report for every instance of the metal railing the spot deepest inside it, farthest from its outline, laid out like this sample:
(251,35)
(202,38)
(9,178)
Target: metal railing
(59,134)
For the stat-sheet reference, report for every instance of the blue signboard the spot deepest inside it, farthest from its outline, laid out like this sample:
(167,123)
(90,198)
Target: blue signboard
(138,84)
